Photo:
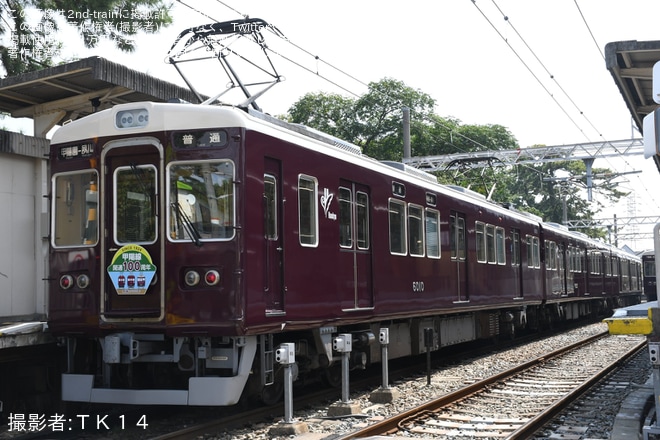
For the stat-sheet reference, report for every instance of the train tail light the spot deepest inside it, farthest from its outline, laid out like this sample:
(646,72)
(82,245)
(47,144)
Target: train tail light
(66,281)
(192,278)
(212,277)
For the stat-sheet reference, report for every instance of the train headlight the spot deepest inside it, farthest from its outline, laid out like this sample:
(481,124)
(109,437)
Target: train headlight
(66,281)
(132,118)
(212,277)
(191,278)
(82,281)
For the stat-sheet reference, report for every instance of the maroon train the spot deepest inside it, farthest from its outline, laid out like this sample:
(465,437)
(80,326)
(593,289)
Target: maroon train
(188,241)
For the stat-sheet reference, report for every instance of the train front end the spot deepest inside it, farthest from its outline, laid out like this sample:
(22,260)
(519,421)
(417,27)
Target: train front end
(145,267)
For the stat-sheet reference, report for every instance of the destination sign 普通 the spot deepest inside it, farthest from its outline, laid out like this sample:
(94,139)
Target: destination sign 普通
(200,139)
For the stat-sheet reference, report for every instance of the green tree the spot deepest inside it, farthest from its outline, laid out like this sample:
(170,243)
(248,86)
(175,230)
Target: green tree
(330,113)
(29,27)
(374,122)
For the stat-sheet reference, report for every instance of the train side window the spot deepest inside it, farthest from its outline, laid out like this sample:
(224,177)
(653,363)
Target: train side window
(480,231)
(490,243)
(75,209)
(416,230)
(594,258)
(499,245)
(533,252)
(270,200)
(362,205)
(457,237)
(397,214)
(345,218)
(432,233)
(515,248)
(550,255)
(308,211)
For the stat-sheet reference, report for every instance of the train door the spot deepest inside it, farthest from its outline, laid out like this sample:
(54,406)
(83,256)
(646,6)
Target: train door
(355,246)
(516,263)
(458,239)
(132,249)
(273,242)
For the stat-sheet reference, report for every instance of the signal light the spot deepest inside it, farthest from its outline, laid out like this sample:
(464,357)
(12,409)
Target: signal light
(66,281)
(212,277)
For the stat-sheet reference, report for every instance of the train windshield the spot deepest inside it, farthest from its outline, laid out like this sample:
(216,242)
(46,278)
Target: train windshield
(201,201)
(649,268)
(135,204)
(75,207)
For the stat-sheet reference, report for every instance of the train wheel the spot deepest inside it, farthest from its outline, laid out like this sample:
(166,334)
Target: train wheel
(332,376)
(272,394)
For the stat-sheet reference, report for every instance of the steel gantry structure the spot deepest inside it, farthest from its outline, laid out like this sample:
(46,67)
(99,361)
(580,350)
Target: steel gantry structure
(531,155)
(587,152)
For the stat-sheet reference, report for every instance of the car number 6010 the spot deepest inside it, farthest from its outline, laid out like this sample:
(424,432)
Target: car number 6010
(418,286)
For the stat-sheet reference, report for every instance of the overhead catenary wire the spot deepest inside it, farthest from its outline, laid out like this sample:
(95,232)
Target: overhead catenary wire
(317,60)
(529,69)
(550,75)
(589,29)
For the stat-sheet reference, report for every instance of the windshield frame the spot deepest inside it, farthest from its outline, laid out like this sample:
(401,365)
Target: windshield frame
(149,196)
(83,199)
(175,201)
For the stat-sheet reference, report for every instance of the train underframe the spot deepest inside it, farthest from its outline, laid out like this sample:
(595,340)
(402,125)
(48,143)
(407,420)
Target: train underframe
(135,368)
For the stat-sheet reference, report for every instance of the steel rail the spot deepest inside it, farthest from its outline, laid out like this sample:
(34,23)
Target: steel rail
(391,425)
(546,416)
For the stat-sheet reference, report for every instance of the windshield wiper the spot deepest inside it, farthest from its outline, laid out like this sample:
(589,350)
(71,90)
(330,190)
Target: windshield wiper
(182,218)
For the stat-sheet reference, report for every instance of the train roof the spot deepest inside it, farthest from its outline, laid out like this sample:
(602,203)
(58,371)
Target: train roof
(180,116)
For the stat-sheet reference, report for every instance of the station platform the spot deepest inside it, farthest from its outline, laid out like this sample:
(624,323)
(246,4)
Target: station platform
(633,320)
(633,420)
(24,334)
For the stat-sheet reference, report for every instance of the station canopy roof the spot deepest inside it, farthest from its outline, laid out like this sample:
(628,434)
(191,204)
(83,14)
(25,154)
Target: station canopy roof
(74,90)
(631,65)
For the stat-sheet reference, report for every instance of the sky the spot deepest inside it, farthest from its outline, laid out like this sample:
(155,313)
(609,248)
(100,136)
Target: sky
(541,72)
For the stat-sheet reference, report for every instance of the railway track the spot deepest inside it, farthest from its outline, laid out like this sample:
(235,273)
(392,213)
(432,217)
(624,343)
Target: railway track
(517,402)
(467,370)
